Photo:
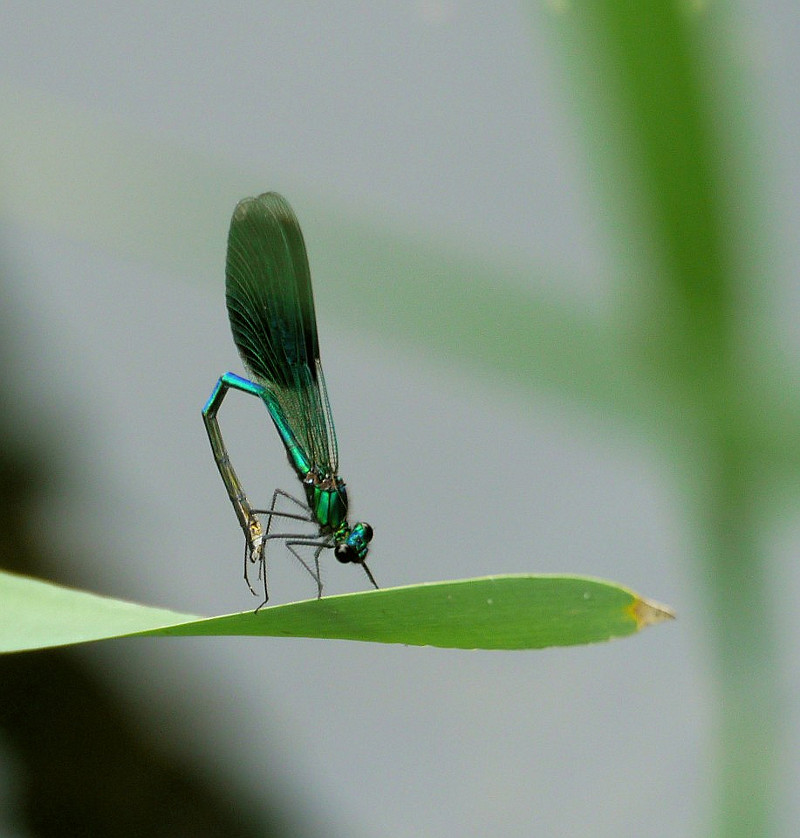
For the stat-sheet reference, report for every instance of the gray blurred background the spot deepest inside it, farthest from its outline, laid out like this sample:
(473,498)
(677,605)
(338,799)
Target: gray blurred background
(127,134)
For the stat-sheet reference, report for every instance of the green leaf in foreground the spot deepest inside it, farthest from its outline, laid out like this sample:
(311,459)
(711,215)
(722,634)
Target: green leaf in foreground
(493,612)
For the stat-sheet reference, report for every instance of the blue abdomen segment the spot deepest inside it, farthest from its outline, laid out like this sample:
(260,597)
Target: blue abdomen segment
(297,456)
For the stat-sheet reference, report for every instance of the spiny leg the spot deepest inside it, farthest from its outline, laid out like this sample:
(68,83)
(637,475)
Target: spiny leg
(291,545)
(272,513)
(301,539)
(320,547)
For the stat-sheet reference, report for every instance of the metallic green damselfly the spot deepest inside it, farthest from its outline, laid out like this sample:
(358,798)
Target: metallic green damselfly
(271,311)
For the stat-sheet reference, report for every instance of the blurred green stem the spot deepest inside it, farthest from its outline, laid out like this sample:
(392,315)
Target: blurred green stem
(653,91)
(742,626)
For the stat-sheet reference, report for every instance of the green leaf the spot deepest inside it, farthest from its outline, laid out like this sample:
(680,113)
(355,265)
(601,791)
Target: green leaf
(493,612)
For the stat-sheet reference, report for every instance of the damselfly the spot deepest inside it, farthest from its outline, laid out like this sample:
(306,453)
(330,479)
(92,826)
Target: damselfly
(271,310)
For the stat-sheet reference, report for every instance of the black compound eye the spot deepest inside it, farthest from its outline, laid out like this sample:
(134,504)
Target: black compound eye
(345,553)
(367,530)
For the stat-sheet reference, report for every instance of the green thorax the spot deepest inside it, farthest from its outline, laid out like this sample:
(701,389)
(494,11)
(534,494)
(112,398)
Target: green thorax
(327,498)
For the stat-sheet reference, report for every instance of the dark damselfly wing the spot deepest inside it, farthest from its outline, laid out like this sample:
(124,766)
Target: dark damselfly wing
(271,310)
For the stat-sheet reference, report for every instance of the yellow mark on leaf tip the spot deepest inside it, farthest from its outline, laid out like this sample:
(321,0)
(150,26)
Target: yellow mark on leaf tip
(646,612)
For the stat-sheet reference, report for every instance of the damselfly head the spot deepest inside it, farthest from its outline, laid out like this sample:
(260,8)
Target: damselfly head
(354,547)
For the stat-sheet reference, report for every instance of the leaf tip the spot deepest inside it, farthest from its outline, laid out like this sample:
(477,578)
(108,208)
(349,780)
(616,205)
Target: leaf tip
(647,612)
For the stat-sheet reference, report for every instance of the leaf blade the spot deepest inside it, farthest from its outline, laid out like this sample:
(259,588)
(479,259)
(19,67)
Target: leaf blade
(494,612)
